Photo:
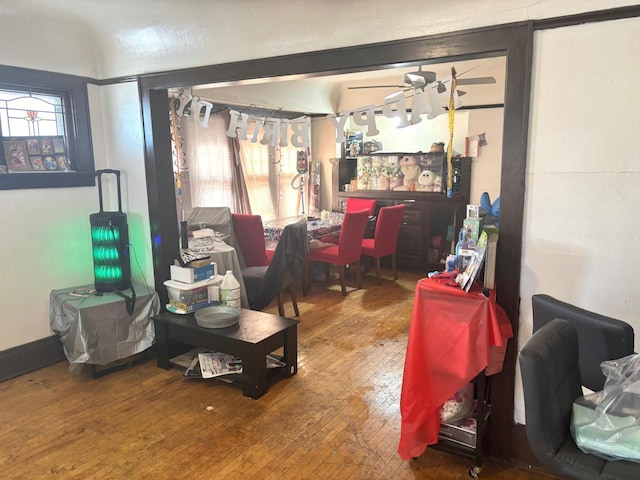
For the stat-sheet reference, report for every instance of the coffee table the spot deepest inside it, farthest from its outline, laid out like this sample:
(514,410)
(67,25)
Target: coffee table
(256,335)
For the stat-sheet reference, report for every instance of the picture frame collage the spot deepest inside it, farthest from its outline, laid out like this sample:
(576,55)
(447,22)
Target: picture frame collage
(36,154)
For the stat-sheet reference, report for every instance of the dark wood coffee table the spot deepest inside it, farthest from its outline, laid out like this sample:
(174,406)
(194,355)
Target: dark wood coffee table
(256,335)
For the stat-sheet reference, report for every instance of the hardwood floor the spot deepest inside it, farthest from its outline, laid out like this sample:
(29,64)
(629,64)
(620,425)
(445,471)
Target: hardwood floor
(337,418)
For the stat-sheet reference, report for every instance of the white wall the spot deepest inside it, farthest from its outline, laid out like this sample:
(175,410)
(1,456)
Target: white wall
(34,36)
(580,226)
(45,244)
(486,167)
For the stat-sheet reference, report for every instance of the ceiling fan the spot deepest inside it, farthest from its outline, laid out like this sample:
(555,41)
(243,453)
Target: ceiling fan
(422,78)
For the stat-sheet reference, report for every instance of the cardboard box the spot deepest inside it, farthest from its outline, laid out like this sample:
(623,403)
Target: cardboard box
(192,275)
(201,262)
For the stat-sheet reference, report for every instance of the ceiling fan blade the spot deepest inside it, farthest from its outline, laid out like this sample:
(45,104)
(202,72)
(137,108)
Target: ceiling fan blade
(377,86)
(475,81)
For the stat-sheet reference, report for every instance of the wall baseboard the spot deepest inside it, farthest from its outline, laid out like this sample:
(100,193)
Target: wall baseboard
(32,356)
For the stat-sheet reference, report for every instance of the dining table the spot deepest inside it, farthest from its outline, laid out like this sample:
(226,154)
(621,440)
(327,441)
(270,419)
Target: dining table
(316,227)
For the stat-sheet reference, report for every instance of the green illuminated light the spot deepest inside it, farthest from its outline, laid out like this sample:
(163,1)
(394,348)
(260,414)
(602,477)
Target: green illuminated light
(105,235)
(108,273)
(106,255)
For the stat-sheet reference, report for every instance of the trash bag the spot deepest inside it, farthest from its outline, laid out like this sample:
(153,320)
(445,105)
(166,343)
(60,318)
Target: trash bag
(607,423)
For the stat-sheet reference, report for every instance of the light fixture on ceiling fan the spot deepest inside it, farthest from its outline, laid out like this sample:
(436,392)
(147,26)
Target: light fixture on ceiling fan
(422,78)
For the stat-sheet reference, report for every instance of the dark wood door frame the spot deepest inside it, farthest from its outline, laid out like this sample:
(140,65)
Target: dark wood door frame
(515,41)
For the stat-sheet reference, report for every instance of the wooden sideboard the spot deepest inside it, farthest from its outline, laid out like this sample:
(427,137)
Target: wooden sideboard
(431,223)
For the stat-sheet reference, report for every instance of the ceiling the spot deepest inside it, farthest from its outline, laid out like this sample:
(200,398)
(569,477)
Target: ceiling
(331,93)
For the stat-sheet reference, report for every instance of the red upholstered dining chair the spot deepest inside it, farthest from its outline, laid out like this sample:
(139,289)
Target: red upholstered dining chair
(385,237)
(346,252)
(249,233)
(263,283)
(262,278)
(353,205)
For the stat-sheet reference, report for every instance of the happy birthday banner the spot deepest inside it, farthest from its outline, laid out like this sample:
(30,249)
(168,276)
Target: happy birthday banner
(281,131)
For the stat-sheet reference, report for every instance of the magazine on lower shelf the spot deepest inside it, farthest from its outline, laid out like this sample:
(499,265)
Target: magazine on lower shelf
(205,363)
(464,431)
(216,364)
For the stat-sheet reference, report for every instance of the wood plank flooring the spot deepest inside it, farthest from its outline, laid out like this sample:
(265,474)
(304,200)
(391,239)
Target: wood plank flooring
(338,418)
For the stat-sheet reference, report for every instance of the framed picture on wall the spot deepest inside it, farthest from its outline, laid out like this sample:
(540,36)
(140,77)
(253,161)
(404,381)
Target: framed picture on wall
(33,146)
(46,146)
(50,162)
(16,154)
(58,144)
(36,162)
(353,145)
(62,162)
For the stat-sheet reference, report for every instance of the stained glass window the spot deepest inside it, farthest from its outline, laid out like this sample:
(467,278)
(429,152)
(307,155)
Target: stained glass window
(45,135)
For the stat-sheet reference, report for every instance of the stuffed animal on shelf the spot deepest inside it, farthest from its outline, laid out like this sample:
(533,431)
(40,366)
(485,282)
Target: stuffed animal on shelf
(383,181)
(490,210)
(425,181)
(429,181)
(410,171)
(437,184)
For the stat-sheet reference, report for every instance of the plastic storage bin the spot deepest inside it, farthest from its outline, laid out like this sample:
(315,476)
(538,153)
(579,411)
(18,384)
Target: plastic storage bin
(189,296)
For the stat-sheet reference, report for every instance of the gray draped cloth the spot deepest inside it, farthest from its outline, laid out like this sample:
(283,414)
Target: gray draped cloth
(264,283)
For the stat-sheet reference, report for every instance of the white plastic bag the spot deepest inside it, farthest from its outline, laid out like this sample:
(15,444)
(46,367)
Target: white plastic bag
(607,423)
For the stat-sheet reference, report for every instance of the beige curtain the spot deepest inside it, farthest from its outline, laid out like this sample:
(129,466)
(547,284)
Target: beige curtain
(209,154)
(268,172)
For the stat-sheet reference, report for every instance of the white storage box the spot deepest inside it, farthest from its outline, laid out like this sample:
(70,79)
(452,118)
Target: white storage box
(192,274)
(184,295)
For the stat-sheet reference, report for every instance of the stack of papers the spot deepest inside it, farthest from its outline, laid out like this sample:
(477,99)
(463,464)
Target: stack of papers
(203,363)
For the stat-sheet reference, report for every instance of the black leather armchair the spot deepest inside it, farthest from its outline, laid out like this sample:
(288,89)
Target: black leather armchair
(600,338)
(551,382)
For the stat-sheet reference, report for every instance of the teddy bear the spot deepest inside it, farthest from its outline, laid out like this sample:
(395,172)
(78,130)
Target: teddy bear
(410,171)
(426,180)
(383,181)
(437,184)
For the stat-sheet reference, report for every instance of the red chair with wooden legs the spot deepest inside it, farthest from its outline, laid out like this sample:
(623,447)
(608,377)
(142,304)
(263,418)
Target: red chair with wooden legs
(346,252)
(385,238)
(353,205)
(267,273)
(249,233)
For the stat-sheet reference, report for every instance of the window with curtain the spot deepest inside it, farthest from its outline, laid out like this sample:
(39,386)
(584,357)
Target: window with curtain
(268,172)
(210,158)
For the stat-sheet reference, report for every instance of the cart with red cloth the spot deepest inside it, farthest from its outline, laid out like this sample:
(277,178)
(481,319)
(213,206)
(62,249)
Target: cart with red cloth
(454,337)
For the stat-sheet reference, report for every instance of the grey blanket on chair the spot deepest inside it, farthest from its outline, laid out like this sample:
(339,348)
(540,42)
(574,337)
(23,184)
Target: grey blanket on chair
(264,283)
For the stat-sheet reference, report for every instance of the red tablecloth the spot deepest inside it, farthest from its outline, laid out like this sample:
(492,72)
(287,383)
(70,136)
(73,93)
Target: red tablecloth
(451,336)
